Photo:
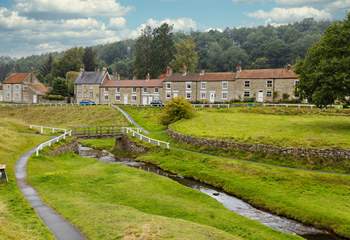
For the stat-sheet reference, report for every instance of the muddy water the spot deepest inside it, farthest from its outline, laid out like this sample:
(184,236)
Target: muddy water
(230,202)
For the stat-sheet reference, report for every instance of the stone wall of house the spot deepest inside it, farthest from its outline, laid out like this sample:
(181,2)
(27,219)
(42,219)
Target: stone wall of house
(335,154)
(129,95)
(87,92)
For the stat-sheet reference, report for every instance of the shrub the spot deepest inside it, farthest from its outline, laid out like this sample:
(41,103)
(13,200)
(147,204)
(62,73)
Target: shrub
(53,97)
(175,110)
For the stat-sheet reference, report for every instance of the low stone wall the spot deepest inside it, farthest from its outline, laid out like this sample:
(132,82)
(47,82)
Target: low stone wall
(335,154)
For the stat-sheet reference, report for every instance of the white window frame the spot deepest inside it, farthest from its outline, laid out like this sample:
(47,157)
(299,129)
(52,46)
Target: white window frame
(188,92)
(91,94)
(244,94)
(224,83)
(296,82)
(168,85)
(268,93)
(145,90)
(205,95)
(203,85)
(134,90)
(245,84)
(133,98)
(156,90)
(120,98)
(168,95)
(269,83)
(188,84)
(222,95)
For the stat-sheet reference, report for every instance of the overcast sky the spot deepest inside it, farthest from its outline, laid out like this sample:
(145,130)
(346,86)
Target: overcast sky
(37,26)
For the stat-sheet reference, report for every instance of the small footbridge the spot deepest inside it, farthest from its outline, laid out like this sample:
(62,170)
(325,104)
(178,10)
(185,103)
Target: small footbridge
(97,131)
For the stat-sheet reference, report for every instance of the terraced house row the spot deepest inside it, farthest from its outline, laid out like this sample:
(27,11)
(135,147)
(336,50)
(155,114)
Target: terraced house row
(262,85)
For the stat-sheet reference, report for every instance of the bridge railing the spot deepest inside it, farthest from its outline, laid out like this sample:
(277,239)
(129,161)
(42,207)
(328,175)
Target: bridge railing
(49,143)
(136,132)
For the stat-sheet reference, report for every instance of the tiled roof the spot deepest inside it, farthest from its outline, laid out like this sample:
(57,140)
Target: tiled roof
(217,76)
(39,88)
(16,78)
(90,77)
(279,73)
(133,83)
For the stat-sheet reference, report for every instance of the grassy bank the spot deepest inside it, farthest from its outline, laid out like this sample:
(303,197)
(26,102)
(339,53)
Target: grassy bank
(307,130)
(17,219)
(66,116)
(302,195)
(109,201)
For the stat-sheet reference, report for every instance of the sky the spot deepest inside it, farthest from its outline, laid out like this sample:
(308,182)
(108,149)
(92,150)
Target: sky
(30,27)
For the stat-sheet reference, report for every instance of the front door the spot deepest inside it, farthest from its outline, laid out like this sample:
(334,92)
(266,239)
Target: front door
(260,97)
(212,97)
(126,98)
(144,100)
(35,99)
(150,99)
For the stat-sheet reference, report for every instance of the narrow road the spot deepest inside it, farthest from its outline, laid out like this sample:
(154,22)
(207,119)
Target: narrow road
(62,229)
(130,119)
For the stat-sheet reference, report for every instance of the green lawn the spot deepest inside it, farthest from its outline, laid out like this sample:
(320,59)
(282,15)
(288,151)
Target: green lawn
(307,130)
(110,201)
(67,116)
(18,221)
(315,198)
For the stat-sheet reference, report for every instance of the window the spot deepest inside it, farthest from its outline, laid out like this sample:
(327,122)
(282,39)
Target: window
(203,95)
(188,95)
(106,89)
(203,85)
(224,85)
(269,84)
(224,95)
(168,95)
(296,83)
(17,87)
(117,97)
(188,85)
(156,90)
(268,94)
(145,90)
(133,98)
(117,90)
(168,85)
(246,94)
(247,84)
(91,95)
(106,97)
(134,90)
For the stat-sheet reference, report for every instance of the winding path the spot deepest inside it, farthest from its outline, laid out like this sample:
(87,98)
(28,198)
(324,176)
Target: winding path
(62,229)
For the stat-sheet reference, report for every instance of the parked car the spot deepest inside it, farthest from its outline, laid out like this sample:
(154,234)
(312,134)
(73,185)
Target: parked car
(157,103)
(87,103)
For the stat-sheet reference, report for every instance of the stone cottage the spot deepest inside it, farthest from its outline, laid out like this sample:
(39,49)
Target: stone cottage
(23,88)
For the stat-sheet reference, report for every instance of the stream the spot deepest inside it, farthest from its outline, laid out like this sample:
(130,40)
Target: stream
(230,202)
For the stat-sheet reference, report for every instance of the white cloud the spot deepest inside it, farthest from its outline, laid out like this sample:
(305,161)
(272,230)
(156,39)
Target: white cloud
(117,22)
(334,6)
(76,7)
(286,15)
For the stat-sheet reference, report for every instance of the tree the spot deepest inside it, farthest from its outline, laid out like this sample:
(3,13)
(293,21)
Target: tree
(163,49)
(89,59)
(325,73)
(45,71)
(175,110)
(143,53)
(59,87)
(186,55)
(72,60)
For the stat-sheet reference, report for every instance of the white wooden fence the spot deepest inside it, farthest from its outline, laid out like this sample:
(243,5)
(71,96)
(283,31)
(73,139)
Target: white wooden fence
(211,105)
(289,105)
(52,141)
(137,134)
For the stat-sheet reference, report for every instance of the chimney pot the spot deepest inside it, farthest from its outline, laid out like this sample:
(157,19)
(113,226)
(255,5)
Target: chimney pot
(238,68)
(202,73)
(148,77)
(169,71)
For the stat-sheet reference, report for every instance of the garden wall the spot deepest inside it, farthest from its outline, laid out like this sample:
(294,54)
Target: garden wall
(334,154)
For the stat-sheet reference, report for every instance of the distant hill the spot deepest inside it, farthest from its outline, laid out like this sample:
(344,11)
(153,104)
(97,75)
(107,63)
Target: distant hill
(258,47)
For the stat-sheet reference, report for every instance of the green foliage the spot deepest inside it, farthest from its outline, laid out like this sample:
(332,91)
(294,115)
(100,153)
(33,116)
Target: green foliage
(89,59)
(143,53)
(45,71)
(175,110)
(54,97)
(186,56)
(72,60)
(325,73)
(59,87)
(70,79)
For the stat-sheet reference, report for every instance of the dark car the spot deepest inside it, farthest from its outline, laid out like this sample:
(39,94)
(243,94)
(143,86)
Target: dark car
(87,103)
(157,103)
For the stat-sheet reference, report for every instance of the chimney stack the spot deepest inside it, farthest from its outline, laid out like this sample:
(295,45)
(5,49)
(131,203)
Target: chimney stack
(202,73)
(169,71)
(148,77)
(118,76)
(238,68)
(289,67)
(184,70)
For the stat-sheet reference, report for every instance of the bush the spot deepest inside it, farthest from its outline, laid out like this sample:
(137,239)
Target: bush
(53,97)
(175,110)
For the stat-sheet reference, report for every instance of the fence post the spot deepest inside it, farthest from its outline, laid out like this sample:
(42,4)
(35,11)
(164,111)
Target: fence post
(41,129)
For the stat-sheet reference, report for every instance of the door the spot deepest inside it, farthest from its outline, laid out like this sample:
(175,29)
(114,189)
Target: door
(144,100)
(126,98)
(150,99)
(35,99)
(175,95)
(260,97)
(212,97)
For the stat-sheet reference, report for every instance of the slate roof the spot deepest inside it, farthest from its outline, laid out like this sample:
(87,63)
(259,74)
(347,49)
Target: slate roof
(133,83)
(278,73)
(16,78)
(90,78)
(192,77)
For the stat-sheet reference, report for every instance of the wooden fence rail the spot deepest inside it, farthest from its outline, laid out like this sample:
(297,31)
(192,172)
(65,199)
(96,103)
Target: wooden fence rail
(51,129)
(137,134)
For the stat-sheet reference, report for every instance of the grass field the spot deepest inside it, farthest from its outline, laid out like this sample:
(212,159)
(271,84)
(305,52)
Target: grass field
(308,131)
(18,221)
(110,201)
(67,116)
